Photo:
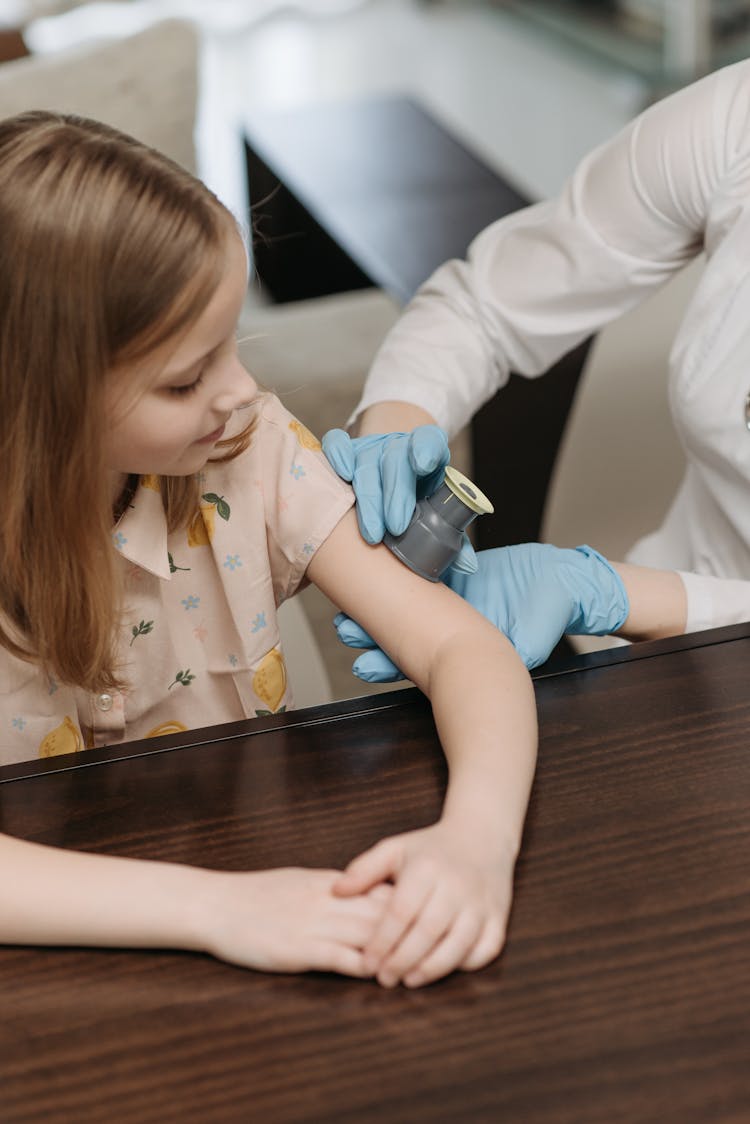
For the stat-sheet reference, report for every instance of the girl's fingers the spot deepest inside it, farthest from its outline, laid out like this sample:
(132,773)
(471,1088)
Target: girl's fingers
(406,904)
(380,894)
(447,954)
(354,925)
(330,956)
(428,930)
(353,920)
(373,866)
(352,930)
(488,945)
(369,906)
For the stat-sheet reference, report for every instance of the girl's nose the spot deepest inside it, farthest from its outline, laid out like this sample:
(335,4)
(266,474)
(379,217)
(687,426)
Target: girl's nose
(237,388)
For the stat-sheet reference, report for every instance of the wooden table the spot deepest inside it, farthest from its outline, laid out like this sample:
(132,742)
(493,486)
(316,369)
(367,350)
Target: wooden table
(624,991)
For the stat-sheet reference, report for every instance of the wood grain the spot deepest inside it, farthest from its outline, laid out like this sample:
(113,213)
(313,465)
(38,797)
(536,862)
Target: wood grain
(624,990)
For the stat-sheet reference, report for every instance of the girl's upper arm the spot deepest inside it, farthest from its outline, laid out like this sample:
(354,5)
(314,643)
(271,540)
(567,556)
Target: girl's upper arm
(410,618)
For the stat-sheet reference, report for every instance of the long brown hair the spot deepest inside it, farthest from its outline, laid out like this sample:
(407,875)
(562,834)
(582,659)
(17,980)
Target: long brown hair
(107,250)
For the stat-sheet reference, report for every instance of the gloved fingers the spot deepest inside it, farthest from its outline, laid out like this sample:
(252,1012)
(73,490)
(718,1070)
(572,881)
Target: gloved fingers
(399,483)
(413,465)
(428,449)
(372,666)
(385,471)
(337,446)
(524,592)
(358,461)
(351,633)
(466,561)
(428,455)
(375,667)
(369,489)
(538,624)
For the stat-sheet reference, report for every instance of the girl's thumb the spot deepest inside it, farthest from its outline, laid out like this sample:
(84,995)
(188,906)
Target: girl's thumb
(369,868)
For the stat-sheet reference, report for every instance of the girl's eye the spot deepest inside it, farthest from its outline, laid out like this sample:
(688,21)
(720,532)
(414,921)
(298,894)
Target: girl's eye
(188,388)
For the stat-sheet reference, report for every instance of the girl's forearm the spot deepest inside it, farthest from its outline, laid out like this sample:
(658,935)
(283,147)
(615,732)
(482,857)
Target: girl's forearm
(484,707)
(282,920)
(658,602)
(56,897)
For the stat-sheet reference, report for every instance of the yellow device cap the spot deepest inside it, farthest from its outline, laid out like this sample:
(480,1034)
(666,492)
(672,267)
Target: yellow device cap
(467,492)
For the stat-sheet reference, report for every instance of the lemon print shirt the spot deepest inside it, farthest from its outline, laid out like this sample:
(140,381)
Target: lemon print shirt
(200,641)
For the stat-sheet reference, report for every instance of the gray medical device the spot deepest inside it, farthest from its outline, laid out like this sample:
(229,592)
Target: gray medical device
(433,538)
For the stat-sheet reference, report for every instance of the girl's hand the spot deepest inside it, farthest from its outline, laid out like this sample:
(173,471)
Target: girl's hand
(449,907)
(289,920)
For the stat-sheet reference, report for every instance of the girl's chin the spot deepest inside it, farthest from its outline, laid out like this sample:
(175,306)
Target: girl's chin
(188,465)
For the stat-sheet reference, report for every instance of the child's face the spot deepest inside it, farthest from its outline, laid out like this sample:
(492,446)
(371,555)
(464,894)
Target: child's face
(190,392)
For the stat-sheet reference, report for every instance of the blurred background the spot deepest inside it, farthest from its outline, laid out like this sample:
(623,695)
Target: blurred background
(531,85)
(525,88)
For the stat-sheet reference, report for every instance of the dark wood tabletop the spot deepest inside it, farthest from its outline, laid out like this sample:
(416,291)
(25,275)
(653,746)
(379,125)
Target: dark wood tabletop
(623,994)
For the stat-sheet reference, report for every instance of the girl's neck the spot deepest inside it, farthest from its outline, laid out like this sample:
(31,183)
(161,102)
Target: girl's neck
(123,491)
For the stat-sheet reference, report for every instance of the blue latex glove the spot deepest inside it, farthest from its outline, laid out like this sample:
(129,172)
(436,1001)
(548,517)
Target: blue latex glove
(534,593)
(389,473)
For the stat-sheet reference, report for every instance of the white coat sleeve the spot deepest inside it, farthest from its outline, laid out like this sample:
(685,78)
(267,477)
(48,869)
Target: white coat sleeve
(538,282)
(714,602)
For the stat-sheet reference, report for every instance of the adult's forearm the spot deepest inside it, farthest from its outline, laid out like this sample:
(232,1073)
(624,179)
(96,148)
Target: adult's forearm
(658,602)
(391,417)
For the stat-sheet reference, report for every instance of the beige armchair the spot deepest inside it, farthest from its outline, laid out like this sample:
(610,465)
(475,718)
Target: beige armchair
(146,85)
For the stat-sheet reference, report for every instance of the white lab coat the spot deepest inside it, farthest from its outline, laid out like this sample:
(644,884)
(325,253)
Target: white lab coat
(676,181)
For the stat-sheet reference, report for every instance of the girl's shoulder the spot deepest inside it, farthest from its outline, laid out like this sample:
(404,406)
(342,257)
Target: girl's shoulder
(273,414)
(276,437)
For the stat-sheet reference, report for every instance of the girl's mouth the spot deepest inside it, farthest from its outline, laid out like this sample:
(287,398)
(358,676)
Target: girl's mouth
(211,438)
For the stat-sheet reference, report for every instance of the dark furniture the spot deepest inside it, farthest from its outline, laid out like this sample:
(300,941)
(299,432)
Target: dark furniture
(376,192)
(12,45)
(624,990)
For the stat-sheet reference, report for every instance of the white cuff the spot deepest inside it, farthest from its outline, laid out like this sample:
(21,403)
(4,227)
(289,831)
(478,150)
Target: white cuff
(713,602)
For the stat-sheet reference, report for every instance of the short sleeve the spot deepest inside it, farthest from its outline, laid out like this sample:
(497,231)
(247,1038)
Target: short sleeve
(303,497)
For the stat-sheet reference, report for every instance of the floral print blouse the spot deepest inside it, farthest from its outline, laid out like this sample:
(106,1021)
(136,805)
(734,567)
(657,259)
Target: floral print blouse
(200,640)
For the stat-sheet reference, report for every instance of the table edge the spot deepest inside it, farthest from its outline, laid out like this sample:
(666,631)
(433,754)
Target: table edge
(355,707)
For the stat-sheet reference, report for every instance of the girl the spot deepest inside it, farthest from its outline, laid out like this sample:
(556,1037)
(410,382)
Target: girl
(157,508)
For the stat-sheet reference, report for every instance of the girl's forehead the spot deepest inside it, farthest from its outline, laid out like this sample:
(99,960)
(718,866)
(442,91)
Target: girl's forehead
(219,318)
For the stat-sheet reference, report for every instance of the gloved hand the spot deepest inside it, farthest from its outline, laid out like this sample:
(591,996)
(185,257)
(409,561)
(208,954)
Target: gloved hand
(389,473)
(534,593)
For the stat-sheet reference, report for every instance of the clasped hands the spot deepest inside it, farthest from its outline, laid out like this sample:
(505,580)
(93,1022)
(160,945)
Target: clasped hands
(409,910)
(448,906)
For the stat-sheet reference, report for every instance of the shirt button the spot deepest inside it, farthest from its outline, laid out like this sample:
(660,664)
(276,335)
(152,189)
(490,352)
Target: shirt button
(104,701)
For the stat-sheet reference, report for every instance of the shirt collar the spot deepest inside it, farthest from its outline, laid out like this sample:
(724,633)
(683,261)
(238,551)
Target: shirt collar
(141,534)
